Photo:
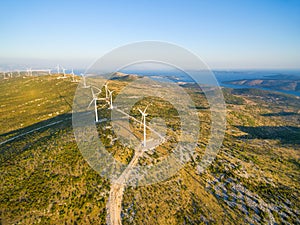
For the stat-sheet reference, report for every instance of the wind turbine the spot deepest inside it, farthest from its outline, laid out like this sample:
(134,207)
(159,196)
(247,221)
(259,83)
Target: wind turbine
(144,114)
(94,100)
(57,67)
(106,90)
(64,72)
(84,81)
(49,71)
(110,97)
(19,74)
(4,75)
(29,72)
(73,76)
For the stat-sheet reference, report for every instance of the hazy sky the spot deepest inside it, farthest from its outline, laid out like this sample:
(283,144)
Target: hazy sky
(225,34)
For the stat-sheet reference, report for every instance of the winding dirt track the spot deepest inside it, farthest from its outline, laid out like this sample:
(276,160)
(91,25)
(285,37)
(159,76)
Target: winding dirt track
(114,205)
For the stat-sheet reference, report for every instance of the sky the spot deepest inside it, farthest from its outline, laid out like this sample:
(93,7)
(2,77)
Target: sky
(229,34)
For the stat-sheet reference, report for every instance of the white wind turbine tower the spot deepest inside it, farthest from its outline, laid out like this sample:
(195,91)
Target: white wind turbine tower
(144,114)
(29,72)
(73,76)
(57,67)
(106,90)
(110,99)
(4,75)
(49,71)
(94,100)
(19,74)
(84,81)
(64,72)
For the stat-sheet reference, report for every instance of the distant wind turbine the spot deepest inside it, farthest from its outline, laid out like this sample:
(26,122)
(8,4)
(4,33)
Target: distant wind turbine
(94,100)
(64,71)
(29,72)
(84,81)
(110,97)
(144,114)
(57,67)
(4,75)
(106,90)
(73,76)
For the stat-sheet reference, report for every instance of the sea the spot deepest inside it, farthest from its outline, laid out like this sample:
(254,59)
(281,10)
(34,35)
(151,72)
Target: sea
(223,76)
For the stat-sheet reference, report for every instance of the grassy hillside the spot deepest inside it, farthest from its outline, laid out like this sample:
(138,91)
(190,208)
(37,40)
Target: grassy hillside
(45,180)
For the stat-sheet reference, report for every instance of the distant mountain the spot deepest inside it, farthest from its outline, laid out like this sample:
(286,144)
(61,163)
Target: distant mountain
(124,76)
(277,82)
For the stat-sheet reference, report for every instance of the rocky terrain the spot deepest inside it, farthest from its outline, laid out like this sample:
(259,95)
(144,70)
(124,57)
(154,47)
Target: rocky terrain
(45,179)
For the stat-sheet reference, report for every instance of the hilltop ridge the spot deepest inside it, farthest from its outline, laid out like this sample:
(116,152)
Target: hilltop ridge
(276,82)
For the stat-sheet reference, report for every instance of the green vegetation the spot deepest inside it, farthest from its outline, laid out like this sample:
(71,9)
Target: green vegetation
(45,180)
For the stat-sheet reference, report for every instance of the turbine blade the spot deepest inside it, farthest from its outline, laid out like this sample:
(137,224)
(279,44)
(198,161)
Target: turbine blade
(91,103)
(99,91)
(146,108)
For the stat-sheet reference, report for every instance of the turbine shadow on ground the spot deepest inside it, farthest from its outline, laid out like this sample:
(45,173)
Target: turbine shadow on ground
(19,140)
(35,126)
